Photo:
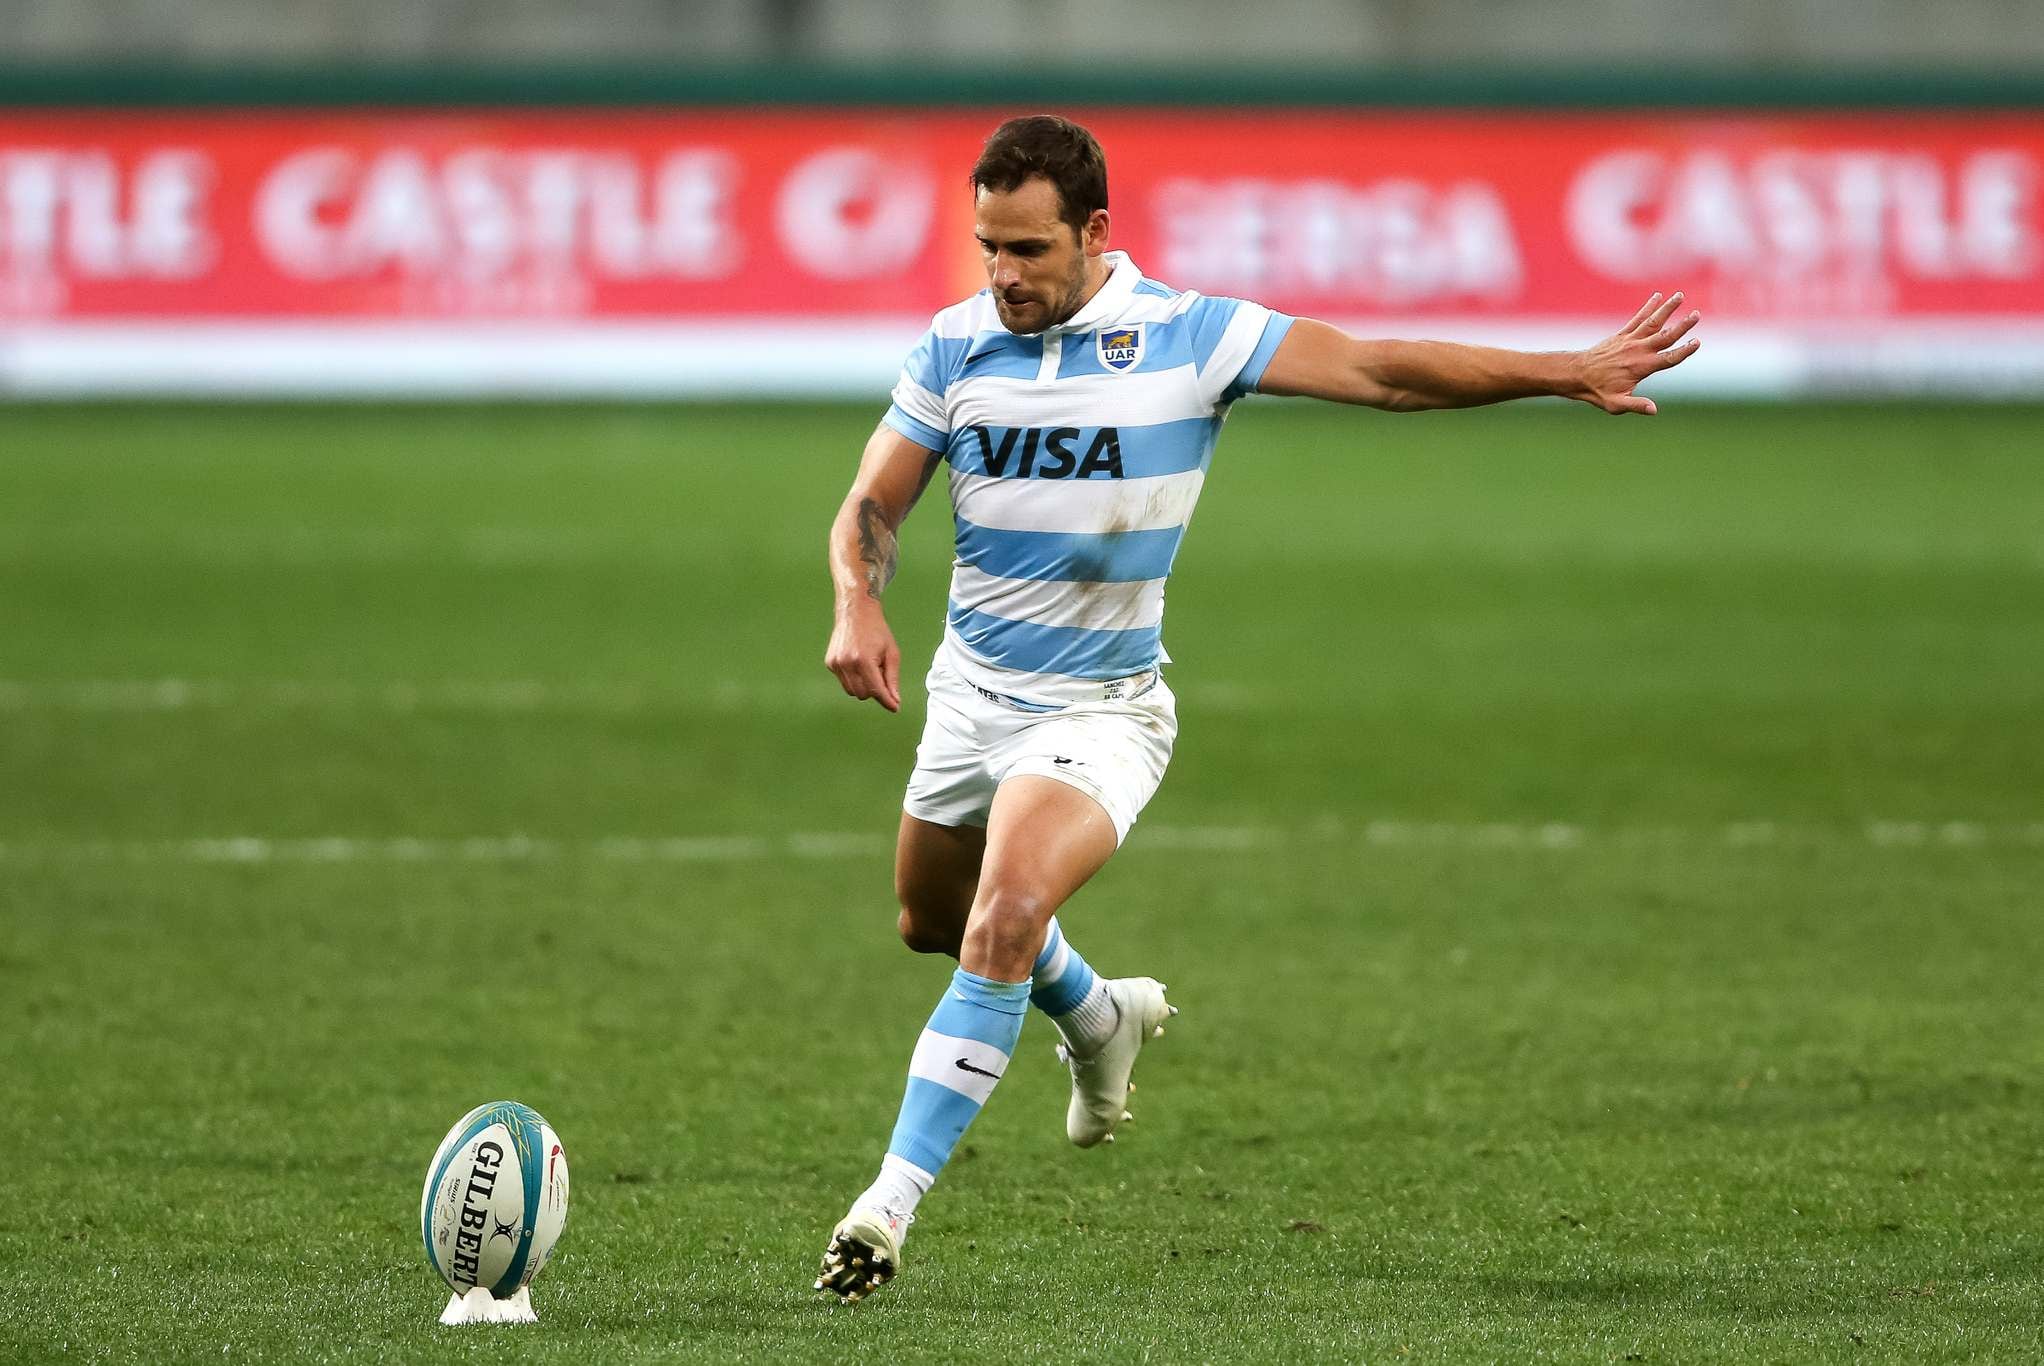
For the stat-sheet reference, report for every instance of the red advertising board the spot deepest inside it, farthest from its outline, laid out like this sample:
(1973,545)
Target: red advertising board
(1799,223)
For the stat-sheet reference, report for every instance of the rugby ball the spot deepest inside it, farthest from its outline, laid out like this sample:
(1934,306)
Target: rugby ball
(496,1199)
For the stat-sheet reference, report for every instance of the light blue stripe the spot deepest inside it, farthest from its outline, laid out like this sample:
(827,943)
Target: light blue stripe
(971,1009)
(1165,346)
(1209,319)
(1073,651)
(1146,452)
(939,362)
(1055,998)
(997,355)
(1056,995)
(922,365)
(1259,360)
(919,432)
(1010,998)
(933,1118)
(1068,556)
(1054,935)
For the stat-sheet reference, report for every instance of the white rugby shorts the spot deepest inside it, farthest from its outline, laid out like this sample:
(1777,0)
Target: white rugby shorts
(1114,751)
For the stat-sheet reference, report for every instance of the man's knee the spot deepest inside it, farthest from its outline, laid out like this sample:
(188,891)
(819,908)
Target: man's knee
(1007,925)
(924,933)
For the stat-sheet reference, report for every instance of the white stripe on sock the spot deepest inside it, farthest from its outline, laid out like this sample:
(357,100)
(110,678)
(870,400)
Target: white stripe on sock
(966,1066)
(1059,959)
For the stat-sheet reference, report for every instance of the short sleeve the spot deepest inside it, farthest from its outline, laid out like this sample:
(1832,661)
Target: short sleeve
(1232,343)
(918,411)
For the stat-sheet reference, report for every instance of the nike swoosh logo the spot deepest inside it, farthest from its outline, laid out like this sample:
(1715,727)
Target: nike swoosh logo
(1064,761)
(965,1066)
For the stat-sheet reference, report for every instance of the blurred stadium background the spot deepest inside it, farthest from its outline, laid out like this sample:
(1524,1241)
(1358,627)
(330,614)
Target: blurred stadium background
(1601,862)
(536,198)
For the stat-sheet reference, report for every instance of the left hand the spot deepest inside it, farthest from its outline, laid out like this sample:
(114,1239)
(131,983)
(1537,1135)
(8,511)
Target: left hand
(1609,371)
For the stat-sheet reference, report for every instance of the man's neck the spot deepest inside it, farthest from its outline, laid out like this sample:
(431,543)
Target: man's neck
(1097,274)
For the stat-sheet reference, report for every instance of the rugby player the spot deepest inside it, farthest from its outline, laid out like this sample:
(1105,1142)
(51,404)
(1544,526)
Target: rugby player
(1077,403)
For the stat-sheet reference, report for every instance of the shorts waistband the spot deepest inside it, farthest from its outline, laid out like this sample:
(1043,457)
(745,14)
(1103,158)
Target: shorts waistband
(1111,690)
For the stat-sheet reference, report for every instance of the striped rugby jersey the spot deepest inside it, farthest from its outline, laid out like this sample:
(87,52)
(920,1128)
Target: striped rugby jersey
(1076,458)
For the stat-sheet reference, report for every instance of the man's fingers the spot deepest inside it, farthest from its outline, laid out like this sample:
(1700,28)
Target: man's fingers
(848,679)
(1640,316)
(1675,355)
(1672,332)
(1633,403)
(1654,319)
(890,679)
(852,676)
(872,682)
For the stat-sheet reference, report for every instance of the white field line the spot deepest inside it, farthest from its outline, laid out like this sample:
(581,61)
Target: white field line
(486,695)
(1547,837)
(494,695)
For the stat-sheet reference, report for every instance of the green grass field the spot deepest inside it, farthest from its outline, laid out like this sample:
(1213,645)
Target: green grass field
(1602,871)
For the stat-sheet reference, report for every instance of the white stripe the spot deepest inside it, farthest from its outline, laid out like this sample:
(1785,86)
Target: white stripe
(1053,353)
(920,403)
(966,318)
(1499,836)
(1059,961)
(409,695)
(1141,399)
(1238,344)
(856,357)
(859,356)
(1098,506)
(937,1057)
(1154,308)
(1093,606)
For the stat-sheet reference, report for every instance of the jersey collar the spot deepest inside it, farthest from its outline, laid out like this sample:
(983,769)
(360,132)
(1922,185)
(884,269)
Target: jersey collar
(1111,299)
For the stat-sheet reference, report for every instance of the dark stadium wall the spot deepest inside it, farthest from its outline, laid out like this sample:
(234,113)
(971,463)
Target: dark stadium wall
(610,85)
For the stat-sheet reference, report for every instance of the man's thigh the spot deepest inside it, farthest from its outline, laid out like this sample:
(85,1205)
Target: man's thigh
(936,871)
(1046,838)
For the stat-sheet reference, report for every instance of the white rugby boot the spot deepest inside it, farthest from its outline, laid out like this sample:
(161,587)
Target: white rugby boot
(1101,1078)
(864,1252)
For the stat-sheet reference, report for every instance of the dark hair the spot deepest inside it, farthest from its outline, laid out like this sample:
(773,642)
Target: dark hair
(1057,149)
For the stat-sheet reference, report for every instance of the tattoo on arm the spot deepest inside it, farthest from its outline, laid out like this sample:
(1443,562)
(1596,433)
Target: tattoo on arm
(879,551)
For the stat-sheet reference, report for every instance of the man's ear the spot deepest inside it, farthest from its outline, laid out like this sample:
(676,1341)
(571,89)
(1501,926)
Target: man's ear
(1095,238)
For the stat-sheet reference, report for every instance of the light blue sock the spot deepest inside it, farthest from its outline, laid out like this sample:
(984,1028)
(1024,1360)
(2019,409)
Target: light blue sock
(1061,978)
(963,1051)
(1066,988)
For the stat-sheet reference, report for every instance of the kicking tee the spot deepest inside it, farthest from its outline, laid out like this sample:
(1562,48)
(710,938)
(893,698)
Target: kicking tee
(1077,456)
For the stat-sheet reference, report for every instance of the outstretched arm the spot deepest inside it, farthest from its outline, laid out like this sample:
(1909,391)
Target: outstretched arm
(863,552)
(1319,361)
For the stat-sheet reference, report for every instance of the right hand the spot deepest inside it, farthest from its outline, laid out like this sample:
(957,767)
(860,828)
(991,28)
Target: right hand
(864,656)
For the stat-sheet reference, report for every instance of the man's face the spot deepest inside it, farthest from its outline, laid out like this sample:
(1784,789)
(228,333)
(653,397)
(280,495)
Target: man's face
(1035,262)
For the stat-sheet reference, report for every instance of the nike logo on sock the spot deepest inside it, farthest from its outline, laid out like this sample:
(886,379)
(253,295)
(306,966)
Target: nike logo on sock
(965,1066)
(1058,760)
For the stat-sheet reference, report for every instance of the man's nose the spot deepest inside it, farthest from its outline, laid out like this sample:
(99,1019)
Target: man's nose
(1007,271)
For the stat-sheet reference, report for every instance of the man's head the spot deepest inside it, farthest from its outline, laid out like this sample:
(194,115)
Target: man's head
(1040,209)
